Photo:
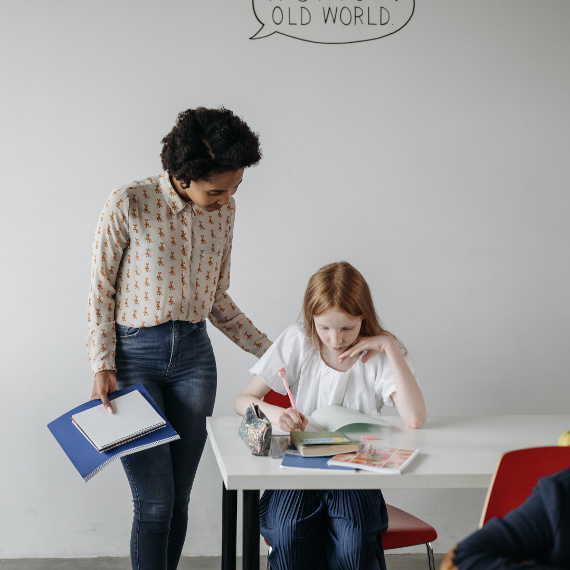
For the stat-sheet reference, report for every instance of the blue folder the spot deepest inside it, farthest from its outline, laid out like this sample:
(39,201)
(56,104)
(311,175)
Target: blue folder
(85,458)
(300,462)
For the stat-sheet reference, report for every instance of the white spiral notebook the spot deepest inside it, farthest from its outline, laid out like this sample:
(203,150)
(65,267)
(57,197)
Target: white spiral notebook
(132,417)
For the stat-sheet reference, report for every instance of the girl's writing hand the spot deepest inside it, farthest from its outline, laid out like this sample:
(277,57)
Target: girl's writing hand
(373,344)
(291,420)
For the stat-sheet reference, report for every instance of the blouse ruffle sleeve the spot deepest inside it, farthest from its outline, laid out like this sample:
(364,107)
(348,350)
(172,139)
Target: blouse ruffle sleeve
(385,385)
(289,351)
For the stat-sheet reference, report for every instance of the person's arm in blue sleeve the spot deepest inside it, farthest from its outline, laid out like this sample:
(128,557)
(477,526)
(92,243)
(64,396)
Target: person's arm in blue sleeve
(534,536)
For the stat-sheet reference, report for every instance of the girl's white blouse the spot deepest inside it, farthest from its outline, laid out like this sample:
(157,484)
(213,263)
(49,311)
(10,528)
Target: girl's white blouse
(364,387)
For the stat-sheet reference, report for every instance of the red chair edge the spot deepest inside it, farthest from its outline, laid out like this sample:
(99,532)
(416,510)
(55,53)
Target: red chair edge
(405,529)
(516,475)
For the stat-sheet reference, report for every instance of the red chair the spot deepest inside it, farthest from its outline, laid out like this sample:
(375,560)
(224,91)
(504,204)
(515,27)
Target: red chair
(403,529)
(276,399)
(516,475)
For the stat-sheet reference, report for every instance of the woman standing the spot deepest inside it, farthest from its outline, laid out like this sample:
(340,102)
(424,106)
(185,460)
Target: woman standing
(161,266)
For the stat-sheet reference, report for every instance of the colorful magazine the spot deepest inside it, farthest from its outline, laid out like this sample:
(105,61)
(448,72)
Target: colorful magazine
(377,458)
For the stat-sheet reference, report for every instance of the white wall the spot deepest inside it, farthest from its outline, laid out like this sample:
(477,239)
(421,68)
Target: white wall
(435,160)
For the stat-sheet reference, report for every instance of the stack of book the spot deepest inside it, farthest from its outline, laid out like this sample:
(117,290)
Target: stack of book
(92,438)
(334,449)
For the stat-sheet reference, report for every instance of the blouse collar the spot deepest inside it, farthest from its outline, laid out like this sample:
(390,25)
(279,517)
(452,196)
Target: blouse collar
(172,197)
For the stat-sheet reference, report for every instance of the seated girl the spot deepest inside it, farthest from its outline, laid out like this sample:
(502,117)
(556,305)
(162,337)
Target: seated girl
(339,355)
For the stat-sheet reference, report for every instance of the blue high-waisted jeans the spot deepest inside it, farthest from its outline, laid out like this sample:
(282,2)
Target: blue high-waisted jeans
(175,363)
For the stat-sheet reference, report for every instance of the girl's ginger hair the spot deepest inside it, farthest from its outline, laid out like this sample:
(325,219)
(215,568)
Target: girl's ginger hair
(340,286)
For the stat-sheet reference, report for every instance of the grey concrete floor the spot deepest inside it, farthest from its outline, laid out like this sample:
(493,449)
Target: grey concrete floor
(393,561)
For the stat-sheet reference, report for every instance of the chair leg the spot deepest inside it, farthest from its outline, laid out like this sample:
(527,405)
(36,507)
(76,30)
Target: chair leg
(431,560)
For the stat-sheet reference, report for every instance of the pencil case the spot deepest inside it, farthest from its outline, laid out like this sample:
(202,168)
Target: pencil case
(255,430)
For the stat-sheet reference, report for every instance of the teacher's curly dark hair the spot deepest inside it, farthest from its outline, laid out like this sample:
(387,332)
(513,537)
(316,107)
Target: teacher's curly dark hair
(206,142)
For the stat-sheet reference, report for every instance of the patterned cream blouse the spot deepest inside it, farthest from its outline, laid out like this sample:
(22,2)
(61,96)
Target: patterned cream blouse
(156,258)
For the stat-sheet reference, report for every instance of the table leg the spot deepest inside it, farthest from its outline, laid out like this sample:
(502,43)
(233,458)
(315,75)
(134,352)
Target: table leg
(251,530)
(229,528)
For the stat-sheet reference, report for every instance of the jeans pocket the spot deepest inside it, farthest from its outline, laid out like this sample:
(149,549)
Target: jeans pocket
(127,332)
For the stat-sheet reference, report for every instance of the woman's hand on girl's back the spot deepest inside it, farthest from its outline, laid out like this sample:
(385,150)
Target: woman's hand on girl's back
(373,344)
(291,420)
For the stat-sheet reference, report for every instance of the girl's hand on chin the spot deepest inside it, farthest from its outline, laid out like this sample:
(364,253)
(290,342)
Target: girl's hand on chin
(372,344)
(291,420)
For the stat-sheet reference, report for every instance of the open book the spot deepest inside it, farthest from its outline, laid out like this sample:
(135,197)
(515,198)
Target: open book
(337,418)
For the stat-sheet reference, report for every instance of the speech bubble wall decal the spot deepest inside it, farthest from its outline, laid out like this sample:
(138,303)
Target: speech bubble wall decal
(332,21)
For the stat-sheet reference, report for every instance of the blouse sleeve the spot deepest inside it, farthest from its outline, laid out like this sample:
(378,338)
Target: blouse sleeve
(226,316)
(111,239)
(289,351)
(385,384)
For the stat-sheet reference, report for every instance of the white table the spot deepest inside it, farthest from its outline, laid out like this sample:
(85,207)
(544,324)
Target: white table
(456,452)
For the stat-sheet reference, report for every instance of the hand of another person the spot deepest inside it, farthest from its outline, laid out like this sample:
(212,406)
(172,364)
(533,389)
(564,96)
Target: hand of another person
(291,420)
(372,344)
(447,563)
(105,382)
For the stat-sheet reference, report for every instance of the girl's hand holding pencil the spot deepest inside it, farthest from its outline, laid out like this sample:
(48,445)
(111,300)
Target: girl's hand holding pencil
(291,418)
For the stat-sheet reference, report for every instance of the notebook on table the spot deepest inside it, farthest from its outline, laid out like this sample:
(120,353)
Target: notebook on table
(321,443)
(294,460)
(377,458)
(82,451)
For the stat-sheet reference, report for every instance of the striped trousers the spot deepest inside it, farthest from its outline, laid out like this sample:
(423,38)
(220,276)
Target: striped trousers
(318,530)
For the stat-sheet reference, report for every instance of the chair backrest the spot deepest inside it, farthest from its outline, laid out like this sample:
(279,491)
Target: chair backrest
(517,474)
(276,399)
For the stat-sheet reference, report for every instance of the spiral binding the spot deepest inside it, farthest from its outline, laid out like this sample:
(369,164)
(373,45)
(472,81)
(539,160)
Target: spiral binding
(133,436)
(128,452)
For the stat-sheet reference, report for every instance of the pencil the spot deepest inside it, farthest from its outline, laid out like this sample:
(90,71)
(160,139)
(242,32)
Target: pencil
(281,373)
